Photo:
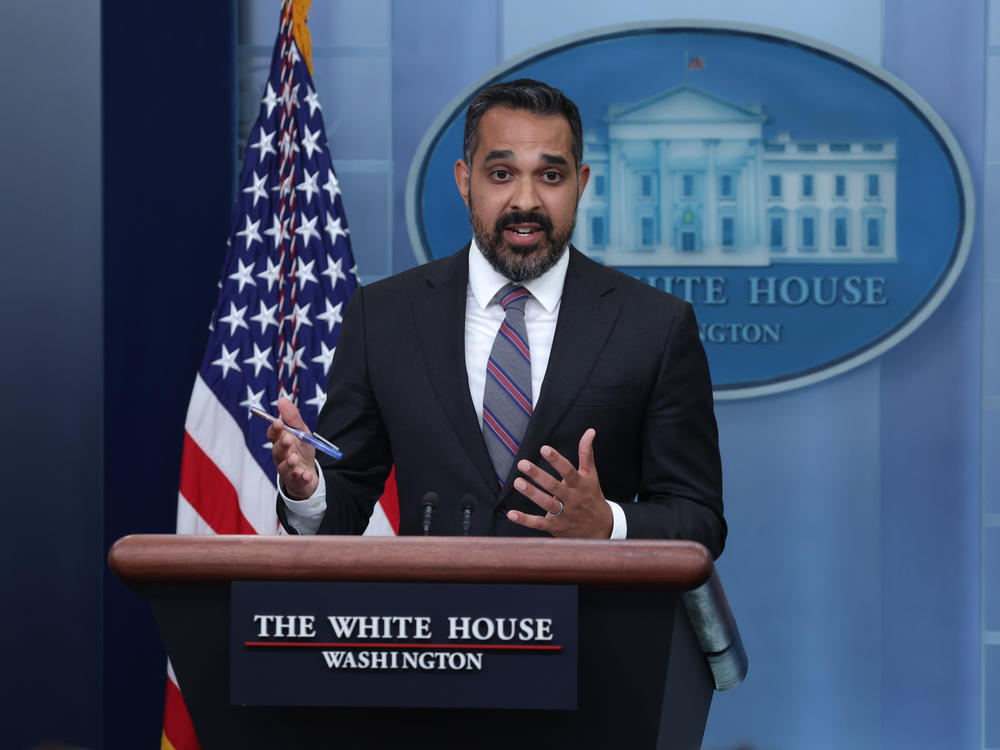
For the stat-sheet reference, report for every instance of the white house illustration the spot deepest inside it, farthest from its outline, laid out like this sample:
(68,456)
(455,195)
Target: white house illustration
(686,178)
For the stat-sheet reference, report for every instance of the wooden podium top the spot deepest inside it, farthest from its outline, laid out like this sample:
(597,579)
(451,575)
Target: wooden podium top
(630,564)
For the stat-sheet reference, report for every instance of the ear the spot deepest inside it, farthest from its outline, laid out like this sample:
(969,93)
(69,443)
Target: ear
(462,180)
(582,178)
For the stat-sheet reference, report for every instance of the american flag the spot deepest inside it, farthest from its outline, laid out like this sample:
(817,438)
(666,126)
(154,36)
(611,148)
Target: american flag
(695,63)
(288,274)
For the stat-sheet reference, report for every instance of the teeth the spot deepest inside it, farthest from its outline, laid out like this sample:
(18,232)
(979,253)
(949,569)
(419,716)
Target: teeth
(522,231)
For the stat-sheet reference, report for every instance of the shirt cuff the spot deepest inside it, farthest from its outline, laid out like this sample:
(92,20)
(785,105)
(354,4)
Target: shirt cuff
(619,526)
(306,515)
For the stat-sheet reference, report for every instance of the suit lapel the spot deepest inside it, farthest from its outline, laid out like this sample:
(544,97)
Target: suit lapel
(439,313)
(587,314)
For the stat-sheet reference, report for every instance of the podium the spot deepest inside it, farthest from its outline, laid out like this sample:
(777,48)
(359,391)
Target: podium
(656,637)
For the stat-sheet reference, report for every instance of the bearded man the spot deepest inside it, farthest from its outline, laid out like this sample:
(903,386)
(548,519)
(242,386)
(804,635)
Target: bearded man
(567,398)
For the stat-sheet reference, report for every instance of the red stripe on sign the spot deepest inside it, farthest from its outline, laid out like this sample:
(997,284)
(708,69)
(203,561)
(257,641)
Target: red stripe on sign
(210,493)
(426,646)
(177,727)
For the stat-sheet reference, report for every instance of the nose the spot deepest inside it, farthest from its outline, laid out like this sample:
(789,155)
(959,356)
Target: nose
(526,196)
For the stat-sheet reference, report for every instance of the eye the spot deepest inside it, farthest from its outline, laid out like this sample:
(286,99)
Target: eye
(551,176)
(500,174)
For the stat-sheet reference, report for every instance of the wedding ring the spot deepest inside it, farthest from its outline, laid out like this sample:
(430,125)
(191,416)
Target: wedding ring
(561,509)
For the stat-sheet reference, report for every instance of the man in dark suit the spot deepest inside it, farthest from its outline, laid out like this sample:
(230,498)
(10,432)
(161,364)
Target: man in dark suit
(616,377)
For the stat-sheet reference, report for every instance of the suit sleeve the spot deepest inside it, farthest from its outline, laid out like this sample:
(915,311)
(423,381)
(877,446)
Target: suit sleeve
(351,420)
(680,490)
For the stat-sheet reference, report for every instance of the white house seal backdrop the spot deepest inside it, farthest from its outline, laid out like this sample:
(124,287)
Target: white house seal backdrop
(811,206)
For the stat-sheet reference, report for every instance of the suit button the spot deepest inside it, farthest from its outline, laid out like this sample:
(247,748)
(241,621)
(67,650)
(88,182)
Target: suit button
(501,511)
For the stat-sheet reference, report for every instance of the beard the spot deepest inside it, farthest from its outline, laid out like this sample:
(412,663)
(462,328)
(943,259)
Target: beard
(520,264)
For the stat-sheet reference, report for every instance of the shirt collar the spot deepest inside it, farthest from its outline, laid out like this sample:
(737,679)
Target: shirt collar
(485,282)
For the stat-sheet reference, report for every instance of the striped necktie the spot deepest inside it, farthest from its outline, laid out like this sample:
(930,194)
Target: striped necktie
(507,397)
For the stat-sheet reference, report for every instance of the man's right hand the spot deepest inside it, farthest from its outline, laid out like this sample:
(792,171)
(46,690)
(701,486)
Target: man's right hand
(295,460)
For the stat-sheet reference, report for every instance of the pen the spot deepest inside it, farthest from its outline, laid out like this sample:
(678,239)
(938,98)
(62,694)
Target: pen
(315,441)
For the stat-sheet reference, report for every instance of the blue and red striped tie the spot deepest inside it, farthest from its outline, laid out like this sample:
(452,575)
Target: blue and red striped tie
(507,397)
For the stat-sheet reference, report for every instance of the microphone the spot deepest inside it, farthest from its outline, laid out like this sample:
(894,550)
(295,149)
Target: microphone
(430,504)
(468,508)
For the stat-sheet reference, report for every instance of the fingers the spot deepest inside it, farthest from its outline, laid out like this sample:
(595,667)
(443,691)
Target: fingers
(586,451)
(289,414)
(283,443)
(297,477)
(275,430)
(566,469)
(561,464)
(295,470)
(543,499)
(293,458)
(573,501)
(537,475)
(539,523)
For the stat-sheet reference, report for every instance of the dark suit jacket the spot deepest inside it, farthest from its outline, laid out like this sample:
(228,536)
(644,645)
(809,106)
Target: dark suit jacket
(626,360)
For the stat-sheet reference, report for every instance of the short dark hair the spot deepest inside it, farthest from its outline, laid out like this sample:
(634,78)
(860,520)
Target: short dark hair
(527,94)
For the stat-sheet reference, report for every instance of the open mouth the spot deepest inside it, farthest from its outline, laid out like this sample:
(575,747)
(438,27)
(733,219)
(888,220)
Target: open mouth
(524,230)
(522,235)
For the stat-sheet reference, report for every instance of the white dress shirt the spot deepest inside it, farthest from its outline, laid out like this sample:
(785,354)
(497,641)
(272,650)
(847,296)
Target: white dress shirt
(482,321)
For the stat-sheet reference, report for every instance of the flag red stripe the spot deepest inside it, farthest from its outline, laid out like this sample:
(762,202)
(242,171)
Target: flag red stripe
(390,501)
(177,727)
(210,493)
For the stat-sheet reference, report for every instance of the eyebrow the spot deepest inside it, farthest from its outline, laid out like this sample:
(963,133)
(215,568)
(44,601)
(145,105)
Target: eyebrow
(504,154)
(496,154)
(554,159)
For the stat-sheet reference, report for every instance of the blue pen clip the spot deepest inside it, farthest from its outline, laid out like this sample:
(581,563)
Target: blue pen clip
(316,441)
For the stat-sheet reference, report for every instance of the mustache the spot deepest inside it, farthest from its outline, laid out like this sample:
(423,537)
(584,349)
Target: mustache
(523,217)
